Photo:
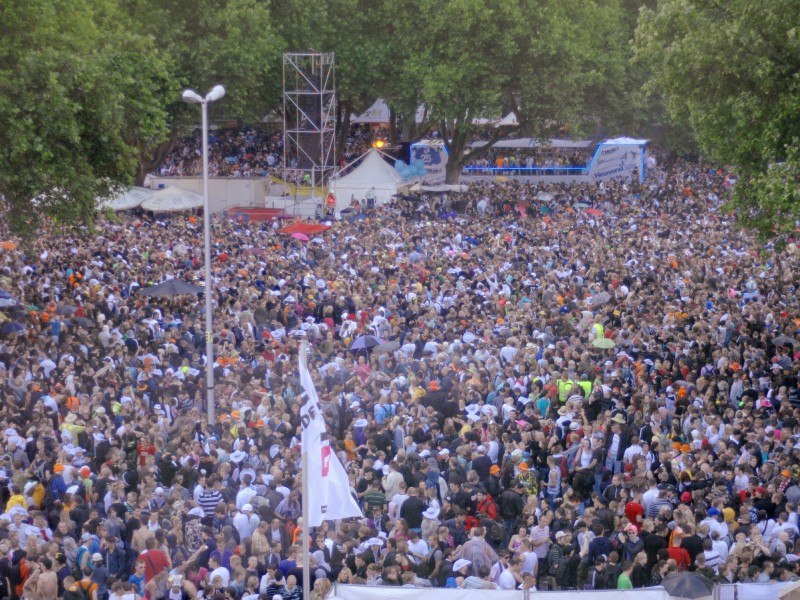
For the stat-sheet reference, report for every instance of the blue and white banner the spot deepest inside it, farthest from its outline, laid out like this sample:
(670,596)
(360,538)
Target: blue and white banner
(434,157)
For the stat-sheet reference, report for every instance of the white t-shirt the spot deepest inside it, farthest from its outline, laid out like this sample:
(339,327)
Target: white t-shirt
(223,573)
(506,580)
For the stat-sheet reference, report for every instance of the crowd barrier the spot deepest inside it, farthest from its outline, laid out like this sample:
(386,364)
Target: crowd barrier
(788,590)
(368,592)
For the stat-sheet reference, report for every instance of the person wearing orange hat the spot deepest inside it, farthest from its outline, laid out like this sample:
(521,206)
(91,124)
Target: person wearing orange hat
(526,479)
(493,484)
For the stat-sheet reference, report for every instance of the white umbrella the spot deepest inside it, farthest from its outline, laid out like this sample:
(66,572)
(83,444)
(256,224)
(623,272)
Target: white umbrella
(125,200)
(172,199)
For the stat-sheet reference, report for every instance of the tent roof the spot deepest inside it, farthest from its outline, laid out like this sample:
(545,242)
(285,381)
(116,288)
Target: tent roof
(625,141)
(509,119)
(377,113)
(307,228)
(371,170)
(125,200)
(172,199)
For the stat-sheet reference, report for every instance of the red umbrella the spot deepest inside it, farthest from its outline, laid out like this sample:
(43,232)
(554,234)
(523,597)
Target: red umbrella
(300,236)
(594,211)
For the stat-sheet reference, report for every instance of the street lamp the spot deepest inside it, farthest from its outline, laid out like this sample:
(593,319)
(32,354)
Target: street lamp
(193,97)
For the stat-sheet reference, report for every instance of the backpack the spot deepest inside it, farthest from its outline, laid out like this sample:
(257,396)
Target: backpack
(15,576)
(567,572)
(476,554)
(76,594)
(497,533)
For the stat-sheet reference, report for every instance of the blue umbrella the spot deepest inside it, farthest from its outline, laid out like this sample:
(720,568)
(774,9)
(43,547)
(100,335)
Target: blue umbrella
(366,342)
(13,327)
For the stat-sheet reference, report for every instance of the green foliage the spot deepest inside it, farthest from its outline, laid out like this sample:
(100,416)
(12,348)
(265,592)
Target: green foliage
(731,71)
(90,89)
(74,97)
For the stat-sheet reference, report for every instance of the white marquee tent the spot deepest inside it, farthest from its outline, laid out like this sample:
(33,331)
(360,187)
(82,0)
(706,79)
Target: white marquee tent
(509,120)
(125,200)
(172,199)
(377,113)
(371,171)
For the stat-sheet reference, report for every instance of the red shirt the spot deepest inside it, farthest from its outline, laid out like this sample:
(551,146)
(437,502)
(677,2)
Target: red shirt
(635,513)
(681,557)
(154,561)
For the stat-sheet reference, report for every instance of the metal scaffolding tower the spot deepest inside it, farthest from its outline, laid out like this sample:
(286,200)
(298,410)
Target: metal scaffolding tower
(309,120)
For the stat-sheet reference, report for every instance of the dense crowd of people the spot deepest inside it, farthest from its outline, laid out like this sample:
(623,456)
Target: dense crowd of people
(572,387)
(253,152)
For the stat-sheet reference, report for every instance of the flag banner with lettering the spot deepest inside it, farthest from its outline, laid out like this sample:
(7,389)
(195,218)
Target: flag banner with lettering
(328,491)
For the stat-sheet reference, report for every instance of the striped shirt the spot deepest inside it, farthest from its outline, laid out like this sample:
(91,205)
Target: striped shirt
(208,500)
(655,507)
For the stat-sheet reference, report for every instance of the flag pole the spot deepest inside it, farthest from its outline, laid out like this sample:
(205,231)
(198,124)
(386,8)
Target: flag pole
(306,529)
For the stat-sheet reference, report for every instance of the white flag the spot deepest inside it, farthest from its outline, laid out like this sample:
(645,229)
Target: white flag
(329,494)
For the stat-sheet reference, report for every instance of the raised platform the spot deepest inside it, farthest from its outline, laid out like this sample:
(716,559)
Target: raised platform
(249,214)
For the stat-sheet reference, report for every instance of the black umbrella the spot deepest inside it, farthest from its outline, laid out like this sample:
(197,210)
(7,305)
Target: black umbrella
(783,340)
(171,287)
(366,342)
(688,585)
(83,322)
(66,309)
(13,327)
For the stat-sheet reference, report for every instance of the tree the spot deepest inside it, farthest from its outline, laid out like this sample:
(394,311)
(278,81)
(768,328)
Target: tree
(232,42)
(731,71)
(551,62)
(75,96)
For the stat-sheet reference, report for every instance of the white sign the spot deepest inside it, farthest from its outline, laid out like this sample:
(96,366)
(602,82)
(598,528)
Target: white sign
(435,158)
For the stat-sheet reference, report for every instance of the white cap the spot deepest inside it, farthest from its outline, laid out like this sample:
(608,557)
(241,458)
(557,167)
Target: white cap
(457,566)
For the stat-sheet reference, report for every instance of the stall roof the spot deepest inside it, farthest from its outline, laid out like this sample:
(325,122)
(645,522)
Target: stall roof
(533,143)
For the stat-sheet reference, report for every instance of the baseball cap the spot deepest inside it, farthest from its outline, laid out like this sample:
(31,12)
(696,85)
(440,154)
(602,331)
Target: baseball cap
(97,557)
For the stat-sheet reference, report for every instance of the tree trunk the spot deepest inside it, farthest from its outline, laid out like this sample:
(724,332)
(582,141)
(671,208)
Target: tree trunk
(392,126)
(452,171)
(148,164)
(455,148)
(343,110)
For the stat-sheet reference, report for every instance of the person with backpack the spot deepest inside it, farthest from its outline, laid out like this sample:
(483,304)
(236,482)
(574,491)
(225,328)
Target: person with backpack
(20,569)
(478,551)
(87,586)
(555,556)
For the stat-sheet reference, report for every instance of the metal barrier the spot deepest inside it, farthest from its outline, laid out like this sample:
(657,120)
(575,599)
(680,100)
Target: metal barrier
(523,171)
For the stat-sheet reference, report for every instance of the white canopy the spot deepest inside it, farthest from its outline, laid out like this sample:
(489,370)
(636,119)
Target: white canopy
(370,172)
(172,199)
(625,141)
(439,189)
(377,113)
(125,200)
(509,120)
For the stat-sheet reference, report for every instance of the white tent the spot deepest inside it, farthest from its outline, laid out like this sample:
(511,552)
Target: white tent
(509,120)
(371,172)
(126,200)
(377,113)
(172,199)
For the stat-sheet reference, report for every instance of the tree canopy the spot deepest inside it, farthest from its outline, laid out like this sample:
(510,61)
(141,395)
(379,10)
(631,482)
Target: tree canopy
(730,72)
(90,91)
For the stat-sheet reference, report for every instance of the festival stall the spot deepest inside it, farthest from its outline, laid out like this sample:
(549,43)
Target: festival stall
(372,176)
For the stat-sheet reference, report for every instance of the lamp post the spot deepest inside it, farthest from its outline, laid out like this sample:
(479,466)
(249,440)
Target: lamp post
(193,97)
